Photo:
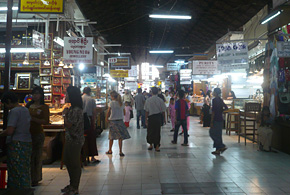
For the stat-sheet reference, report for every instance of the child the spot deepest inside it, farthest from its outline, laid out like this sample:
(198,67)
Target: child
(118,130)
(172,113)
(128,108)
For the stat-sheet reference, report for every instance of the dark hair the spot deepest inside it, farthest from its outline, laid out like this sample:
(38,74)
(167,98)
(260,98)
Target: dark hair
(217,91)
(166,91)
(181,94)
(159,89)
(74,95)
(201,90)
(208,93)
(233,94)
(87,90)
(154,90)
(9,96)
(171,99)
(39,90)
(139,90)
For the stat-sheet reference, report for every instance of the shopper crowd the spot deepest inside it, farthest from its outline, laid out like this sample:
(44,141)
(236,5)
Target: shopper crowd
(25,135)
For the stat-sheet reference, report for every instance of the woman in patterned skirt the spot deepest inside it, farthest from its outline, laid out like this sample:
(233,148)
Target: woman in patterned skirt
(115,116)
(19,143)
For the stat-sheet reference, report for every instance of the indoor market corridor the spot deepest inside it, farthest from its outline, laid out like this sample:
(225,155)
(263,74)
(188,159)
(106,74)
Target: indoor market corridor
(177,169)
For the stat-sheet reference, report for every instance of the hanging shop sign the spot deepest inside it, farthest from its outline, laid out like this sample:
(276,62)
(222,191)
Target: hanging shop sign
(232,56)
(78,50)
(172,66)
(132,85)
(283,49)
(41,6)
(205,67)
(133,72)
(119,63)
(37,39)
(119,73)
(185,76)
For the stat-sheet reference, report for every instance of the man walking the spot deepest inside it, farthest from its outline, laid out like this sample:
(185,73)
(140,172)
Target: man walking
(167,101)
(181,108)
(139,103)
(155,111)
(90,114)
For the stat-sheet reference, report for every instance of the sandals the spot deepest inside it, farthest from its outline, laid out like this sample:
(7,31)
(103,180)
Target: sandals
(122,154)
(150,148)
(109,152)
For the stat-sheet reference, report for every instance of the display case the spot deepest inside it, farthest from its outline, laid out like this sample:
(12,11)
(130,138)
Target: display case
(239,103)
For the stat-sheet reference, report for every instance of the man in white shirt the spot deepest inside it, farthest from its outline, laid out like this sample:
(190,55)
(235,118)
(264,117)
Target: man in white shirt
(155,109)
(127,97)
(167,101)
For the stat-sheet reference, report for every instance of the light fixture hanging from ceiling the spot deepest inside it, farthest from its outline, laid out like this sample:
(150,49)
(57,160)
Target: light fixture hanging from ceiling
(178,17)
(26,62)
(61,63)
(271,16)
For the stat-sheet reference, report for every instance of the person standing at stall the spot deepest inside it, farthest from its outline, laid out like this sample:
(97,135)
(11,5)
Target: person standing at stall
(18,141)
(155,111)
(140,102)
(74,138)
(167,102)
(216,126)
(90,115)
(39,113)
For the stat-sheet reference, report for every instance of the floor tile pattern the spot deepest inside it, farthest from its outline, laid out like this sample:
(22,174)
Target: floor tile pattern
(177,169)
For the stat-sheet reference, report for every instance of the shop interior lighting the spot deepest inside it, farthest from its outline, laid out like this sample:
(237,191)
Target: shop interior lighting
(179,61)
(46,63)
(23,50)
(61,63)
(26,62)
(157,66)
(5,8)
(271,16)
(71,66)
(65,66)
(178,17)
(59,41)
(81,66)
(161,51)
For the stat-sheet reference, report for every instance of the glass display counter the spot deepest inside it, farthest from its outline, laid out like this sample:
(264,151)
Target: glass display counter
(239,103)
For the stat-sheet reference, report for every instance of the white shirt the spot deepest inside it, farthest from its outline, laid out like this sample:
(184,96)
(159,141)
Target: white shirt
(117,111)
(154,105)
(167,100)
(89,104)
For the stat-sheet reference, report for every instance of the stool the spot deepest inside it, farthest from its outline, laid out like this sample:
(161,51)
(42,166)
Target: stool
(236,121)
(3,169)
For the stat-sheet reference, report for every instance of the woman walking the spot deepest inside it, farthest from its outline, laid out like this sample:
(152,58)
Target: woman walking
(115,116)
(19,143)
(39,113)
(74,138)
(216,126)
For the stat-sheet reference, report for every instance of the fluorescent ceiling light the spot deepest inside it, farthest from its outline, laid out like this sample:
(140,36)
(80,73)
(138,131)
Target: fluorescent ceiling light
(23,50)
(179,61)
(179,17)
(157,66)
(59,41)
(81,66)
(268,18)
(5,8)
(161,51)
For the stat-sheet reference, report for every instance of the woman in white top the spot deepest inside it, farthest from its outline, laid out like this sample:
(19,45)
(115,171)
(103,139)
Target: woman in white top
(115,116)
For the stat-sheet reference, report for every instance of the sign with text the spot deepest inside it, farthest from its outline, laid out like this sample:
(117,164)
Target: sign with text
(78,50)
(232,56)
(133,72)
(119,63)
(283,49)
(185,76)
(41,6)
(172,66)
(205,67)
(119,73)
(37,39)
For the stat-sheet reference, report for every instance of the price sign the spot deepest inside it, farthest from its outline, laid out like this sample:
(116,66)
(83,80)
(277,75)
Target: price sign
(112,60)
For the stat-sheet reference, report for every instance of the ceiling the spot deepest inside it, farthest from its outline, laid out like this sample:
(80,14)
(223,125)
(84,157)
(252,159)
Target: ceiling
(127,22)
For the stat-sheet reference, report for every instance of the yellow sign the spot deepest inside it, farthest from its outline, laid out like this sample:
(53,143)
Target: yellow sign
(41,6)
(119,73)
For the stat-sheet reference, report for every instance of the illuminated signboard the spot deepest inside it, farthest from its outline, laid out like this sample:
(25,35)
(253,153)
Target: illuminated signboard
(41,6)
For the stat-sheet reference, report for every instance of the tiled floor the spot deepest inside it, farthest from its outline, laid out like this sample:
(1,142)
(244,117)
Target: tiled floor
(177,169)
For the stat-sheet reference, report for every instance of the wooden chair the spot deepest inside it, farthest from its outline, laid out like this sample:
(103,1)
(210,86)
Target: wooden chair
(235,114)
(249,116)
